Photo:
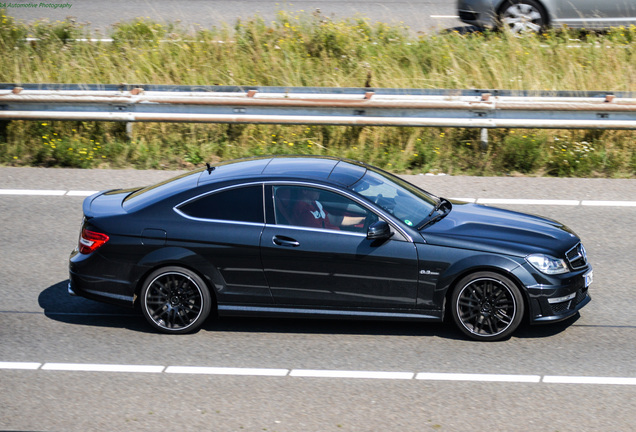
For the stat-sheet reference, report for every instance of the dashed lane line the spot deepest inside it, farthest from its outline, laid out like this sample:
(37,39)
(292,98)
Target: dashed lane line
(32,192)
(313,373)
(609,203)
(87,367)
(46,192)
(318,373)
(479,377)
(495,201)
(196,370)
(20,365)
(528,201)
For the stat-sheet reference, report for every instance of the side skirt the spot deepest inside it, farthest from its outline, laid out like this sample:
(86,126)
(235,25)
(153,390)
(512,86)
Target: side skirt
(264,311)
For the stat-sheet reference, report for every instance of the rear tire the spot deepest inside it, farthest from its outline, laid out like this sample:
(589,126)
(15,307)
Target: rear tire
(175,300)
(487,306)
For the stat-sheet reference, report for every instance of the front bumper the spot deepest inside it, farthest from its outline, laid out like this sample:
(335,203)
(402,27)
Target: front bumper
(560,300)
(479,13)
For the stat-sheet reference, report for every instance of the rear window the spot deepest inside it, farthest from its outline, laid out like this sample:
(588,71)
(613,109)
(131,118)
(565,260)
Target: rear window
(242,204)
(151,194)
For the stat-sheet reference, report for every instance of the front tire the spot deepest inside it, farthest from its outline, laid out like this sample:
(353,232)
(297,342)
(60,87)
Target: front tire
(487,306)
(175,300)
(522,16)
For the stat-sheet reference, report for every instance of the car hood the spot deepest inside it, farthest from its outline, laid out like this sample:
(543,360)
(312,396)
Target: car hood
(477,227)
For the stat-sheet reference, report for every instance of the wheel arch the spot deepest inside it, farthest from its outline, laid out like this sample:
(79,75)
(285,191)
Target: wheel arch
(180,257)
(507,271)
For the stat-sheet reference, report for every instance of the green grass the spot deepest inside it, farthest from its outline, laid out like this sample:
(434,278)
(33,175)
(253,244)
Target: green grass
(313,50)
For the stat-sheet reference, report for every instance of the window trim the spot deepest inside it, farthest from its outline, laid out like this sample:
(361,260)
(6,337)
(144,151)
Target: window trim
(177,208)
(378,212)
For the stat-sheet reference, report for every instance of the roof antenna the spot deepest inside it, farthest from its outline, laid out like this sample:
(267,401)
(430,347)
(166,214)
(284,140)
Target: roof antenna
(209,168)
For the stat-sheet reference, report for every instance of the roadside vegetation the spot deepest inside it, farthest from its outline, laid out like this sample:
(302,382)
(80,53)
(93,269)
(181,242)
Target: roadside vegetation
(308,49)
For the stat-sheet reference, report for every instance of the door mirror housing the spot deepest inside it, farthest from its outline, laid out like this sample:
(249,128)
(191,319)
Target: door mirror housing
(379,230)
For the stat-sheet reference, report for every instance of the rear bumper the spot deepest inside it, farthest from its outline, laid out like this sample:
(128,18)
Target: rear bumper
(71,292)
(103,290)
(86,280)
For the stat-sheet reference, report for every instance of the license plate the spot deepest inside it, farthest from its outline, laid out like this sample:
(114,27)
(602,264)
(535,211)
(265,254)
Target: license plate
(588,277)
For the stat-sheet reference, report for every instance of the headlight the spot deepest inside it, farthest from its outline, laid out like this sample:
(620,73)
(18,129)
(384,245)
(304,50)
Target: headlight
(547,264)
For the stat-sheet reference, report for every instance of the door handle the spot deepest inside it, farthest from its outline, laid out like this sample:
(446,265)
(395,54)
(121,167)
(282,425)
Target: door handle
(285,241)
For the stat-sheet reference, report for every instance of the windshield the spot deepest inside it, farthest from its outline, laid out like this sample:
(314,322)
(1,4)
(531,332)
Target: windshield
(398,197)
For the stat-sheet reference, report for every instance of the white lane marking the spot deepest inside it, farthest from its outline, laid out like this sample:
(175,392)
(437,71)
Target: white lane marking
(478,377)
(495,201)
(468,200)
(319,373)
(528,201)
(445,16)
(588,380)
(313,373)
(82,367)
(609,203)
(32,192)
(20,365)
(80,193)
(225,371)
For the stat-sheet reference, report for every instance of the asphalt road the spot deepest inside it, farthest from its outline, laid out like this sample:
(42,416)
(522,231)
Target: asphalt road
(44,331)
(419,15)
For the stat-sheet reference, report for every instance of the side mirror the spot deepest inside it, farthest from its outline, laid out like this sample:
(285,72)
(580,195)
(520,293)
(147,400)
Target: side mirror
(379,230)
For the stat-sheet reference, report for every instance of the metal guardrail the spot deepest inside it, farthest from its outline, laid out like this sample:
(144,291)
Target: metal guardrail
(316,105)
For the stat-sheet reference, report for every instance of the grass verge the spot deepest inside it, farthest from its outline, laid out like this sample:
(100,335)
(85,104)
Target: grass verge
(313,50)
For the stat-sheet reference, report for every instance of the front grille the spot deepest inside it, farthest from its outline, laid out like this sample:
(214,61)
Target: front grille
(557,308)
(577,257)
(580,296)
(561,307)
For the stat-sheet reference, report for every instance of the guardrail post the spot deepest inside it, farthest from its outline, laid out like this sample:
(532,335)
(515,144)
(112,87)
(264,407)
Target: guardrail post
(4,134)
(483,138)
(129,130)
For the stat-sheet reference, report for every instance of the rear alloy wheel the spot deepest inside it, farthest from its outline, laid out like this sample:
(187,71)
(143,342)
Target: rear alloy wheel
(487,306)
(522,16)
(175,300)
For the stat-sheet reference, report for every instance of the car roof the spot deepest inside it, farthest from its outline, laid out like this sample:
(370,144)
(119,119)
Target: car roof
(323,168)
(295,168)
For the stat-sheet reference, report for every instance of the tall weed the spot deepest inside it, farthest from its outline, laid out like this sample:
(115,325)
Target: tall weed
(310,49)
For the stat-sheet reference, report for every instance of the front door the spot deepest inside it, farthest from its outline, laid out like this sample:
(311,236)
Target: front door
(317,254)
(592,13)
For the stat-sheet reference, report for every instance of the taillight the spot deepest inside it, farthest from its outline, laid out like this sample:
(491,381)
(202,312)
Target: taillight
(90,240)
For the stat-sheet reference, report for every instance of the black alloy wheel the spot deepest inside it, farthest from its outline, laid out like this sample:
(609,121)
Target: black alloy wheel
(487,306)
(522,16)
(175,300)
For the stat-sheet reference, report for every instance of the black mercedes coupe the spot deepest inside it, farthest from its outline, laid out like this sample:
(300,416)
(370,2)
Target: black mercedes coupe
(322,237)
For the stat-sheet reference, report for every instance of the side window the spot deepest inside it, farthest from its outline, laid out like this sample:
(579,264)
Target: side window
(317,208)
(243,204)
